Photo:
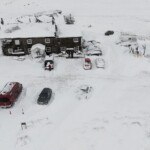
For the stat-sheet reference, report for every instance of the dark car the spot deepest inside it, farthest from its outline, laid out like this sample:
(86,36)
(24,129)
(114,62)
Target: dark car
(45,96)
(10,93)
(109,32)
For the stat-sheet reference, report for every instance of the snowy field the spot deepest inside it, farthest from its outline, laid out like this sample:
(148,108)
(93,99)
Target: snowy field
(115,115)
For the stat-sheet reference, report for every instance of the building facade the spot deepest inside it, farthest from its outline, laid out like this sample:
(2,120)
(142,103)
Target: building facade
(19,42)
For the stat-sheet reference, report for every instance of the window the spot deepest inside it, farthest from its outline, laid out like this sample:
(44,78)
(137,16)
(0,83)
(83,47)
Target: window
(7,41)
(48,49)
(29,41)
(18,49)
(75,40)
(62,48)
(16,90)
(47,40)
(5,100)
(17,42)
(10,50)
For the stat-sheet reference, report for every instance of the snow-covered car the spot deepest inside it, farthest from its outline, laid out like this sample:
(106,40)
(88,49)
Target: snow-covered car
(96,52)
(87,64)
(92,48)
(100,63)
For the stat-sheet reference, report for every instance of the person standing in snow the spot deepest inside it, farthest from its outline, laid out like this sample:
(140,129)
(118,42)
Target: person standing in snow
(137,51)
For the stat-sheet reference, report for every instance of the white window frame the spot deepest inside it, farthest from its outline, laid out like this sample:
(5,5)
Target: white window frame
(17,42)
(75,40)
(50,49)
(29,41)
(10,50)
(47,40)
(18,50)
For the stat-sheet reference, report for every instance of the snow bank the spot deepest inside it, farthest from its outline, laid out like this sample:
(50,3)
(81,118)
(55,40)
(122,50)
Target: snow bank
(37,50)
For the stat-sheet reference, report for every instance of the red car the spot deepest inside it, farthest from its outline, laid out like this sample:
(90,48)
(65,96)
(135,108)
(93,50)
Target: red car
(49,63)
(87,64)
(10,93)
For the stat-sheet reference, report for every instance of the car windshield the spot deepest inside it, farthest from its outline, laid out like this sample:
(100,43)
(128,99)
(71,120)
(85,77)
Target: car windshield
(43,95)
(48,61)
(4,99)
(87,62)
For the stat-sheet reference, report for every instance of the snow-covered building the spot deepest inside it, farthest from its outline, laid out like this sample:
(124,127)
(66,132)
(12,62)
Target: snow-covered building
(69,37)
(17,39)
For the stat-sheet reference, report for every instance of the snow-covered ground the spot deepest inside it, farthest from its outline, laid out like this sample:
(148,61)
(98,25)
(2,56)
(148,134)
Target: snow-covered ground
(114,115)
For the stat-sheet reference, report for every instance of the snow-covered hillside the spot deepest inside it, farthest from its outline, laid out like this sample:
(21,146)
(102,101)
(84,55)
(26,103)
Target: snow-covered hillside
(114,115)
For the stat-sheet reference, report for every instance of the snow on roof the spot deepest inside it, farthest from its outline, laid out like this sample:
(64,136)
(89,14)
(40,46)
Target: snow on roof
(26,19)
(69,31)
(10,20)
(27,30)
(7,87)
(45,18)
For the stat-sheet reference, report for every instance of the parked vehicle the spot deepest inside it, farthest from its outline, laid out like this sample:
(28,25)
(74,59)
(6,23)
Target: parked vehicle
(96,52)
(100,63)
(49,63)
(109,32)
(45,96)
(10,93)
(87,64)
